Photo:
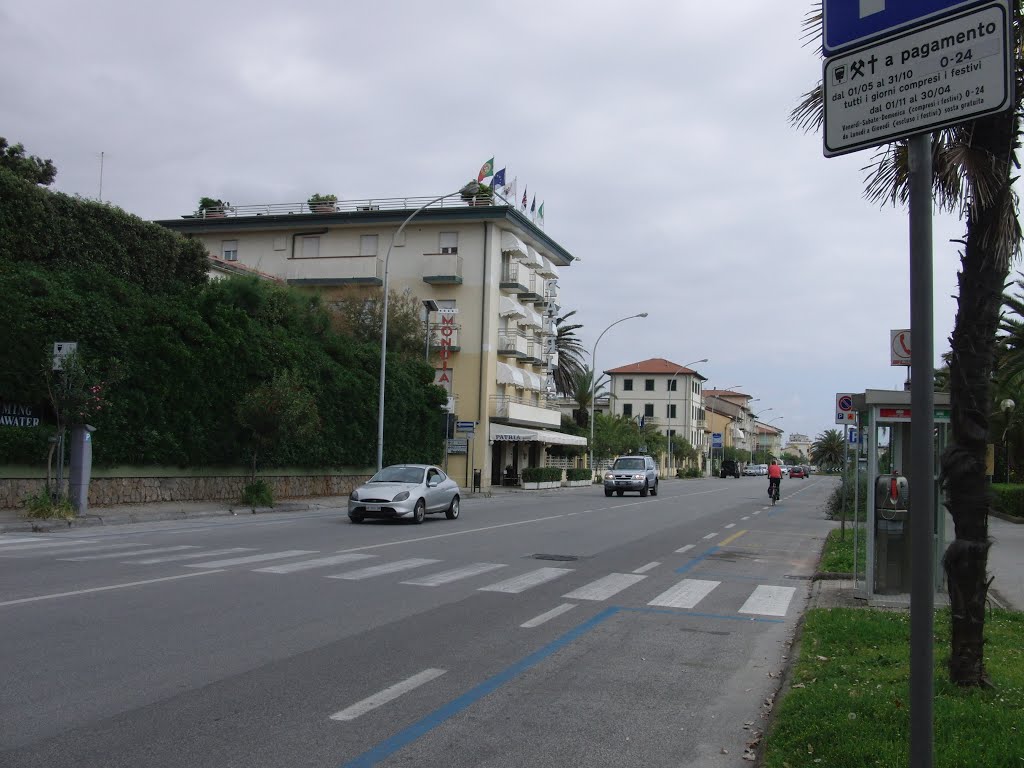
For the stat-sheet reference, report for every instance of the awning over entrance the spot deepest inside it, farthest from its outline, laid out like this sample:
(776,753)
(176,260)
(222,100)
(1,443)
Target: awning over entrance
(504,433)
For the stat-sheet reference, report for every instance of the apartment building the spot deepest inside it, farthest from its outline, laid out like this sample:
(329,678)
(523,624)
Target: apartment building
(799,444)
(662,393)
(488,277)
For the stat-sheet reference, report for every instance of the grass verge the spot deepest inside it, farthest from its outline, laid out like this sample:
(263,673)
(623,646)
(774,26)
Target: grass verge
(847,704)
(837,555)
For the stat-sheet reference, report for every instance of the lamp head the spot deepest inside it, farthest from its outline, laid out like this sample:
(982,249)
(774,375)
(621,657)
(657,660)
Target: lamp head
(430,304)
(1007,405)
(642,314)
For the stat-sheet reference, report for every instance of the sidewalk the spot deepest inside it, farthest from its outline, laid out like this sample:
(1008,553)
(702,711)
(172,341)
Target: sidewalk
(1006,562)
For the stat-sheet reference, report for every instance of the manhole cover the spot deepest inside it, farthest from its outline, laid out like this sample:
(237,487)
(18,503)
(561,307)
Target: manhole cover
(555,557)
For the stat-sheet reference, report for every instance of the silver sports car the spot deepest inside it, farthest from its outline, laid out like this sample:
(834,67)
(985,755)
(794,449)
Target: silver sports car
(407,491)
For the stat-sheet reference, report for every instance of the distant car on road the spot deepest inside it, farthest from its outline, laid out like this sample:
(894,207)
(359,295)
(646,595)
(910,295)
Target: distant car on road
(730,468)
(750,470)
(798,472)
(632,473)
(405,491)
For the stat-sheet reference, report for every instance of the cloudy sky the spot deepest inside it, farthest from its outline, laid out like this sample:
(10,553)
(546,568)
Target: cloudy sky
(655,133)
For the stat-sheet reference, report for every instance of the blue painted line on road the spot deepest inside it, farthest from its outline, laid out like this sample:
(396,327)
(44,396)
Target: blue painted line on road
(697,560)
(408,735)
(670,612)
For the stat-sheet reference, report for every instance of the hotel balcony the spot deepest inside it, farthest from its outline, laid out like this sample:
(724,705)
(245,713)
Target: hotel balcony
(513,277)
(513,345)
(442,269)
(342,270)
(530,291)
(443,336)
(515,410)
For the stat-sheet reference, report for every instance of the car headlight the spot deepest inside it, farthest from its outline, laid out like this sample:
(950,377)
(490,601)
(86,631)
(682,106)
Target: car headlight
(354,495)
(402,496)
(638,477)
(609,476)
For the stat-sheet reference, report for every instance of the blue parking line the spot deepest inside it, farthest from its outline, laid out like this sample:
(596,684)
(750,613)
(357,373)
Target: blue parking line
(697,560)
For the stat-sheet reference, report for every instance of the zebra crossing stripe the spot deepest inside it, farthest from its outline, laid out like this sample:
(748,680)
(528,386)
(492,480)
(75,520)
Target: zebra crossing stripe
(545,617)
(380,570)
(64,547)
(112,555)
(685,594)
(768,600)
(605,587)
(253,558)
(524,582)
(388,694)
(319,562)
(189,556)
(447,577)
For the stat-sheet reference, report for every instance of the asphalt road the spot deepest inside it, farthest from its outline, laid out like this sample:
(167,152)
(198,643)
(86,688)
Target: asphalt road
(557,628)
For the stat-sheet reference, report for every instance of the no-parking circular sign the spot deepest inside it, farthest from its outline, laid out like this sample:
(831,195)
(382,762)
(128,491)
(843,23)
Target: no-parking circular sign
(844,408)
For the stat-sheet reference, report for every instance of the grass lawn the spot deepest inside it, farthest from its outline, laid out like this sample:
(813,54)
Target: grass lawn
(837,556)
(847,707)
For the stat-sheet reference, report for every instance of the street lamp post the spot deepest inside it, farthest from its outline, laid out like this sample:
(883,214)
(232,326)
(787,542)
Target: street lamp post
(770,422)
(470,189)
(430,306)
(1007,407)
(593,380)
(754,428)
(671,384)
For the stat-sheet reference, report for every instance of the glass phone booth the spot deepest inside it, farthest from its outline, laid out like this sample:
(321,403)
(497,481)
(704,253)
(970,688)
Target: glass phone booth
(884,417)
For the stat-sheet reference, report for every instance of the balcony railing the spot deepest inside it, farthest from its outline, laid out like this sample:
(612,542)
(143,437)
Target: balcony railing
(512,344)
(524,411)
(341,206)
(444,335)
(442,269)
(367,270)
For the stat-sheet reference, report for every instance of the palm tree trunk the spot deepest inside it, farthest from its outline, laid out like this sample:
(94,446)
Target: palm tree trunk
(984,269)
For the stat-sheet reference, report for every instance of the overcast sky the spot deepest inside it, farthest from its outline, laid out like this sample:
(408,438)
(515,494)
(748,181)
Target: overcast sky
(655,133)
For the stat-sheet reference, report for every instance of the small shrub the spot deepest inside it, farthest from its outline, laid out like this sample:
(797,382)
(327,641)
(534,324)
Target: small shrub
(689,472)
(258,494)
(1008,498)
(578,473)
(834,504)
(40,506)
(542,474)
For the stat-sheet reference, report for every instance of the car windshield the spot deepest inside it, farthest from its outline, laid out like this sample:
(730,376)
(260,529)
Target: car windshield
(398,475)
(629,464)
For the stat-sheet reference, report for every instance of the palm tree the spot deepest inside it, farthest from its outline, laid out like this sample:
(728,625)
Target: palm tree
(570,354)
(580,392)
(972,163)
(828,449)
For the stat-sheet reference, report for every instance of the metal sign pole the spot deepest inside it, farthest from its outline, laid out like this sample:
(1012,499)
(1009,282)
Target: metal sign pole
(922,464)
(856,499)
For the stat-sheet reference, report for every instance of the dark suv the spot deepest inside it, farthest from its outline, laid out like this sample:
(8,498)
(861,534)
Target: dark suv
(632,473)
(730,467)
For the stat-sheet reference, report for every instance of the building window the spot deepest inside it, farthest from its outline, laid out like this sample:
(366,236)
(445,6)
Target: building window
(368,245)
(627,410)
(229,250)
(671,411)
(672,385)
(310,247)
(449,242)
(649,410)
(648,385)
(627,385)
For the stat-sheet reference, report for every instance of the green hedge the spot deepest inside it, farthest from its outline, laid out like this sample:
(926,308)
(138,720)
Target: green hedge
(542,474)
(1008,498)
(579,473)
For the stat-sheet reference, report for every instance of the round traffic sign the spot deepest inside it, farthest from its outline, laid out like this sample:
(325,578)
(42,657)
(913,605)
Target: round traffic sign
(846,403)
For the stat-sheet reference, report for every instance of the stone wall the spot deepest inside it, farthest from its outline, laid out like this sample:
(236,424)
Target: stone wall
(110,491)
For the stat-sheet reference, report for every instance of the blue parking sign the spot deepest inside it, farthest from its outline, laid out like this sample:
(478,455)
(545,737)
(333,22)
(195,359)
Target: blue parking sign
(849,23)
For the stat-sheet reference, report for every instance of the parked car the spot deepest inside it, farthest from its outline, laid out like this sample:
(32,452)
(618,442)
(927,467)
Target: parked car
(405,491)
(762,469)
(750,470)
(798,472)
(632,473)
(730,468)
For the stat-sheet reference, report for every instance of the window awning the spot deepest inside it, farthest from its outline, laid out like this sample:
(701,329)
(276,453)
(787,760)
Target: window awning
(547,269)
(504,433)
(513,247)
(533,381)
(533,318)
(534,259)
(509,307)
(508,374)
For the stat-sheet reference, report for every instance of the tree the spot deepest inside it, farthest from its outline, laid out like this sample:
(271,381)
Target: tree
(828,449)
(570,354)
(359,315)
(973,165)
(580,391)
(30,168)
(682,450)
(281,410)
(615,435)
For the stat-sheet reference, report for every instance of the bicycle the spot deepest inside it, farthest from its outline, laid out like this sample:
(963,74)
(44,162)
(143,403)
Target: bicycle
(774,492)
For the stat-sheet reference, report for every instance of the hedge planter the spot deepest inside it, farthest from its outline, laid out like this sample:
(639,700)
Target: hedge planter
(576,483)
(541,485)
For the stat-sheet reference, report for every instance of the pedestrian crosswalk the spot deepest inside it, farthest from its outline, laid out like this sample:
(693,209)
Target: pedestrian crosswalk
(766,600)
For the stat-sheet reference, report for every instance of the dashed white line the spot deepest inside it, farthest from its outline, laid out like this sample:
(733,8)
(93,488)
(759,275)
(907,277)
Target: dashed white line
(687,548)
(388,694)
(537,621)
(112,555)
(745,517)
(103,589)
(646,568)
(189,556)
(711,535)
(731,525)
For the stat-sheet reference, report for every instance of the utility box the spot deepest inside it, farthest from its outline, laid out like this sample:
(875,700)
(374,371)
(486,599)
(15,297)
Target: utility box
(81,467)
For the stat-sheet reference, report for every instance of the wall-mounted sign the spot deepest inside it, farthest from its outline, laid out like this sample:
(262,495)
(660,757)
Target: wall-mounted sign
(458,445)
(18,415)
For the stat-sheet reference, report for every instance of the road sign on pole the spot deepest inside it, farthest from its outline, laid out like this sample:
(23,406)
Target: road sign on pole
(899,347)
(844,408)
(849,23)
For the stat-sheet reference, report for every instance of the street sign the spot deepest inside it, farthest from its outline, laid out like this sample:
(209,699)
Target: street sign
(852,435)
(844,408)
(929,77)
(848,23)
(465,426)
(899,347)
(458,445)
(716,439)
(61,349)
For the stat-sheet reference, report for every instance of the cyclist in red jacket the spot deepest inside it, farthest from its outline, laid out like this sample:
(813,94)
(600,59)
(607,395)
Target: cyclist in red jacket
(774,477)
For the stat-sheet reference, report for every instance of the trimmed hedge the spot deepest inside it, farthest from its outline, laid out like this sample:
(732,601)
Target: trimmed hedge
(1008,498)
(542,475)
(579,473)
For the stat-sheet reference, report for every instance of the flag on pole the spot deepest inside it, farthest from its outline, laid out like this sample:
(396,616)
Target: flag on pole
(540,211)
(498,180)
(524,196)
(510,190)
(487,169)
(533,205)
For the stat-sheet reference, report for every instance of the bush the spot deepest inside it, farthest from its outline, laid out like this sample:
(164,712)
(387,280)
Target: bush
(258,494)
(834,504)
(689,472)
(578,473)
(542,475)
(41,506)
(1008,498)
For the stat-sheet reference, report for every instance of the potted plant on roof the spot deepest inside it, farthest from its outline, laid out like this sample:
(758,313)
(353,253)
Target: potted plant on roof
(322,203)
(212,208)
(484,195)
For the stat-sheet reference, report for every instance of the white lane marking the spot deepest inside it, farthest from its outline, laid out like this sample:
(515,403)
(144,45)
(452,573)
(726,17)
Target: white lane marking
(605,587)
(189,556)
(388,694)
(646,568)
(319,562)
(454,533)
(447,577)
(687,548)
(730,525)
(544,617)
(685,594)
(524,582)
(756,512)
(103,589)
(64,547)
(4,538)
(380,570)
(570,514)
(253,558)
(711,535)
(745,517)
(112,555)
(768,600)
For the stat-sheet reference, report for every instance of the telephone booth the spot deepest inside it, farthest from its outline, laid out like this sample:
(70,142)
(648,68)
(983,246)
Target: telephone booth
(883,456)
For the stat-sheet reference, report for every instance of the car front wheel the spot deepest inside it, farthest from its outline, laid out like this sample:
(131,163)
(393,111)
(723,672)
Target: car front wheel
(643,491)
(607,492)
(654,490)
(453,509)
(419,512)
(356,518)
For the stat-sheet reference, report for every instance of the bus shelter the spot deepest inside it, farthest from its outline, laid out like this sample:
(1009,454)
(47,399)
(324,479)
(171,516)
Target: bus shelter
(882,454)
